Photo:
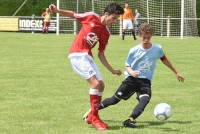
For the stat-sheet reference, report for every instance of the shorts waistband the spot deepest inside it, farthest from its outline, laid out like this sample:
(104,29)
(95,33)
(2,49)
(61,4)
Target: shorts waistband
(79,54)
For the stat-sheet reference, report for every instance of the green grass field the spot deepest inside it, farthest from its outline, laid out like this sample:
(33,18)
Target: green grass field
(40,94)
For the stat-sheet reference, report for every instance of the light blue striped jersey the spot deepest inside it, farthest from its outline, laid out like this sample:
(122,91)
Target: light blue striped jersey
(144,60)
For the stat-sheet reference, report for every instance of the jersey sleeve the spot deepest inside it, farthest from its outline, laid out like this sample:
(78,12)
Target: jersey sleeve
(129,59)
(161,52)
(84,17)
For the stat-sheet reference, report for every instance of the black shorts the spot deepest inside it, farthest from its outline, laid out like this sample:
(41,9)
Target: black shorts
(133,85)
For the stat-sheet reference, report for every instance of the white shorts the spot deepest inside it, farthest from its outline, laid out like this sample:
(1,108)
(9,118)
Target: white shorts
(127,24)
(83,64)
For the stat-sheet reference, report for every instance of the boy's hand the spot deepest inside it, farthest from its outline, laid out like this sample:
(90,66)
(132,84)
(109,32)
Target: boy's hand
(135,74)
(53,8)
(117,72)
(180,77)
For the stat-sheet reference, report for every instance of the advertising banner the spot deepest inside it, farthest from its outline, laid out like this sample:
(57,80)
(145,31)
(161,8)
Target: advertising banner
(35,24)
(8,24)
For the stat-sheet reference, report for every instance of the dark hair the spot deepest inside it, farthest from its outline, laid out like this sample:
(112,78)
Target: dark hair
(145,28)
(114,8)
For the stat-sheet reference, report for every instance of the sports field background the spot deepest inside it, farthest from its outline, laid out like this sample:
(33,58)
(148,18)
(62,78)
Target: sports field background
(40,94)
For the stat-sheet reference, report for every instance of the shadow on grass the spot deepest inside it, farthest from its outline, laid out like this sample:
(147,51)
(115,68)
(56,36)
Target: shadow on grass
(167,129)
(148,124)
(114,127)
(158,123)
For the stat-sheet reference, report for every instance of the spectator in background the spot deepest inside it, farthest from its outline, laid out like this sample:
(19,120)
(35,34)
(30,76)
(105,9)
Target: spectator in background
(127,21)
(46,22)
(137,21)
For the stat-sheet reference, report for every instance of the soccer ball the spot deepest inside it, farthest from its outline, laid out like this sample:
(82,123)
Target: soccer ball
(162,111)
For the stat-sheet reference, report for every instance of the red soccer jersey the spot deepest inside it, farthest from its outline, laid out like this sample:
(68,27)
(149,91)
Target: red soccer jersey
(92,31)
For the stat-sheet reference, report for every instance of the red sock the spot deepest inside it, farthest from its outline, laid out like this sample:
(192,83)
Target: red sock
(95,103)
(95,100)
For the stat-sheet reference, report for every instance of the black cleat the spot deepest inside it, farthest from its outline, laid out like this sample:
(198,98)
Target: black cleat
(129,123)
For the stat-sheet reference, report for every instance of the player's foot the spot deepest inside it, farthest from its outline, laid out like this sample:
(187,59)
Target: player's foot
(87,117)
(129,123)
(99,124)
(135,38)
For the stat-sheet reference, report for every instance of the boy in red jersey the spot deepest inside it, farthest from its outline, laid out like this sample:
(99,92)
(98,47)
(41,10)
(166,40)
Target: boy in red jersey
(94,29)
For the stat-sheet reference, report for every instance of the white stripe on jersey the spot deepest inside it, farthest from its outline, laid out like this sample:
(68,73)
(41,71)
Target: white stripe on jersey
(81,15)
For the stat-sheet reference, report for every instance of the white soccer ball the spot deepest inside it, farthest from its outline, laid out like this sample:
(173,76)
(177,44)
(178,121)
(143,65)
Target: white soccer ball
(162,111)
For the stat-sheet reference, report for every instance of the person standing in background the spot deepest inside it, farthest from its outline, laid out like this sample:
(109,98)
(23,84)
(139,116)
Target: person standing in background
(46,22)
(137,21)
(127,21)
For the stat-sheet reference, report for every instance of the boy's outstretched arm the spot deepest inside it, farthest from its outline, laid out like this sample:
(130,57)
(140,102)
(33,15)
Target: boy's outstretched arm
(107,65)
(166,61)
(66,13)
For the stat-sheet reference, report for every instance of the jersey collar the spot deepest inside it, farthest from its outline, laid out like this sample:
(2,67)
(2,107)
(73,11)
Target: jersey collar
(142,48)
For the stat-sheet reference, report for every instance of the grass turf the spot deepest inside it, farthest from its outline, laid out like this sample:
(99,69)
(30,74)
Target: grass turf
(40,94)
